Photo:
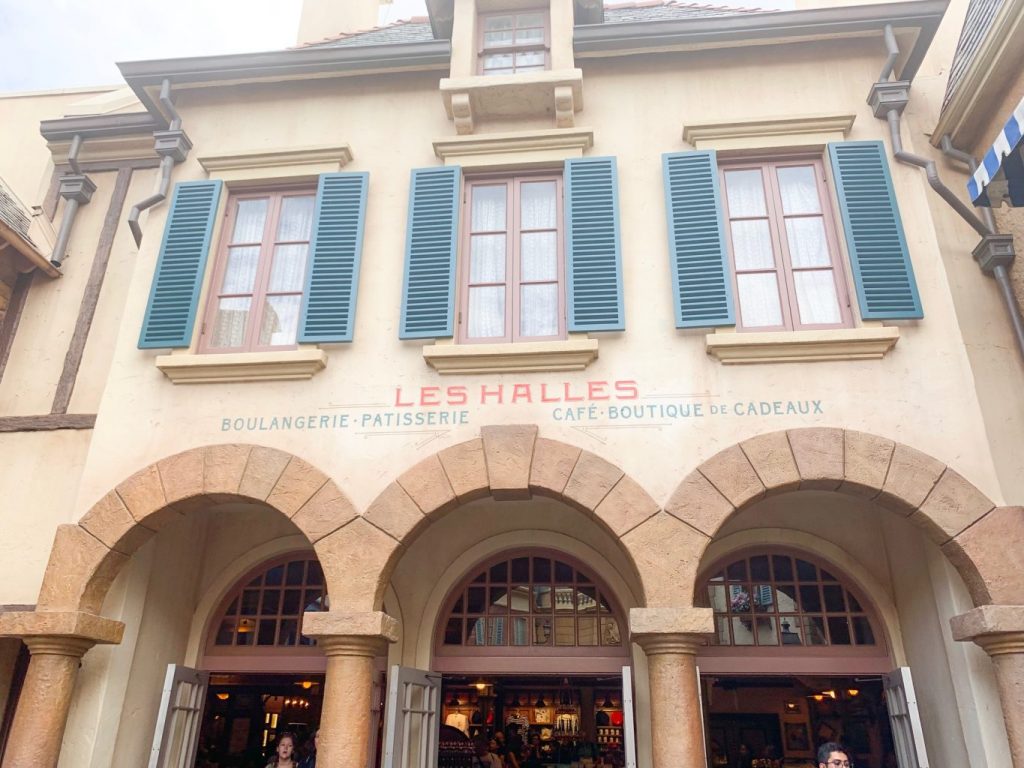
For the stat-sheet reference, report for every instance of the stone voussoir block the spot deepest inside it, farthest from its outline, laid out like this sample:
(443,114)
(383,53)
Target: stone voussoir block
(772,459)
(866,464)
(296,485)
(508,451)
(698,503)
(818,452)
(111,522)
(79,572)
(910,479)
(143,496)
(987,555)
(223,467)
(553,463)
(324,513)
(428,485)
(466,468)
(357,560)
(626,506)
(733,475)
(953,504)
(591,480)
(394,512)
(182,475)
(262,472)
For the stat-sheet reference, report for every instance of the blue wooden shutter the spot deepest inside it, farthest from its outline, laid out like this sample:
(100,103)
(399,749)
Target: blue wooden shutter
(171,312)
(701,278)
(428,290)
(882,271)
(593,254)
(329,305)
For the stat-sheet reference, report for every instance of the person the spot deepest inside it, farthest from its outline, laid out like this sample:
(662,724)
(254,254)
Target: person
(484,757)
(744,757)
(309,761)
(833,755)
(284,754)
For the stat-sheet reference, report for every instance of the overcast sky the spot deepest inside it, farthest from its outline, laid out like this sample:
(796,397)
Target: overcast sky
(47,44)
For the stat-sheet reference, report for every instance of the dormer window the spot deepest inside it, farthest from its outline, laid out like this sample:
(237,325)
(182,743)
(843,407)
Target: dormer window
(512,43)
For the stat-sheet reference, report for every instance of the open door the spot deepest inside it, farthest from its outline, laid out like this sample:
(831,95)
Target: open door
(907,732)
(412,719)
(176,738)
(628,718)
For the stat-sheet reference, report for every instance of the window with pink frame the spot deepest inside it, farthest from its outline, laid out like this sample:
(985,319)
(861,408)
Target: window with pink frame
(787,272)
(259,277)
(512,270)
(512,43)
(784,600)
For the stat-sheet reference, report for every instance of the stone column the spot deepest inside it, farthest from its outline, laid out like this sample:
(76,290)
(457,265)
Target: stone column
(999,631)
(350,641)
(56,642)
(671,637)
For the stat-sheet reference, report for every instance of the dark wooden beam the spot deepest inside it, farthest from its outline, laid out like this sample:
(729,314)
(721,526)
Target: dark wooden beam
(9,327)
(47,423)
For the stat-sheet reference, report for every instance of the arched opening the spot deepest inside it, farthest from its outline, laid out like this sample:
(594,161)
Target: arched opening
(798,657)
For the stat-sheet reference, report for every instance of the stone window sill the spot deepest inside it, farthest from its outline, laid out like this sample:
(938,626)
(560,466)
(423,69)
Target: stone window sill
(869,343)
(569,355)
(242,366)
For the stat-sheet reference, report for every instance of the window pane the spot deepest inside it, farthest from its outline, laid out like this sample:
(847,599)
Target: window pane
(737,570)
(489,206)
(521,569)
(271,602)
(764,597)
(453,632)
(498,22)
(496,631)
(789,633)
(486,312)
(722,631)
(542,631)
(475,631)
(538,312)
(316,574)
(240,271)
(806,571)
(542,599)
(296,569)
(541,569)
(766,634)
(249,221)
(520,634)
(475,600)
(739,598)
(782,567)
(799,190)
(498,65)
(563,572)
(499,572)
(759,568)
(759,299)
(565,630)
(814,630)
(539,256)
(564,599)
(839,630)
(834,598)
(816,297)
(289,633)
(288,272)
(810,598)
(785,597)
(586,600)
(587,632)
(225,632)
(527,20)
(610,631)
(501,38)
(529,60)
(487,259)
(229,324)
(268,629)
(854,605)
(745,193)
(292,601)
(498,601)
(296,218)
(742,632)
(752,244)
(280,320)
(538,207)
(519,599)
(716,596)
(807,244)
(862,631)
(275,576)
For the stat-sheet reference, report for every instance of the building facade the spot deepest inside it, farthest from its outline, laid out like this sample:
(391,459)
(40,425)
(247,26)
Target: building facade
(606,373)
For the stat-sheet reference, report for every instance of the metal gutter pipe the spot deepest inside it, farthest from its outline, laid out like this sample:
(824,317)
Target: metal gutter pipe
(172,145)
(999,271)
(894,53)
(76,188)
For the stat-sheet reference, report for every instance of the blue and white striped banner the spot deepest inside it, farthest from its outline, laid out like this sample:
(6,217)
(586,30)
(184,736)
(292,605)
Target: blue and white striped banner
(1001,173)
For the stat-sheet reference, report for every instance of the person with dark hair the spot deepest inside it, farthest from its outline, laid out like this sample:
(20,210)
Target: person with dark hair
(309,761)
(284,752)
(833,755)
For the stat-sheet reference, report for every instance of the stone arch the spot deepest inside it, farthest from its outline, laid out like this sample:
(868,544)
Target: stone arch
(505,463)
(979,538)
(87,556)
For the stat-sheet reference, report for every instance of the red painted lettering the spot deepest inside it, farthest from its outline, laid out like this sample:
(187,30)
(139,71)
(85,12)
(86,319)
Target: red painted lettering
(430,395)
(544,395)
(457,396)
(522,392)
(569,397)
(398,399)
(627,390)
(497,392)
(596,390)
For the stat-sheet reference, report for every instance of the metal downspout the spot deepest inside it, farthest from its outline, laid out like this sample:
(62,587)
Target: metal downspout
(173,146)
(76,188)
(999,272)
(888,99)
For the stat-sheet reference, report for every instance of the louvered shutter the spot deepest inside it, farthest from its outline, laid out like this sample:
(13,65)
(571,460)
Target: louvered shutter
(701,278)
(879,258)
(329,305)
(428,290)
(593,254)
(171,312)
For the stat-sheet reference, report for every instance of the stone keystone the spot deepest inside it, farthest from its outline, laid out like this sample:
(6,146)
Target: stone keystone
(509,454)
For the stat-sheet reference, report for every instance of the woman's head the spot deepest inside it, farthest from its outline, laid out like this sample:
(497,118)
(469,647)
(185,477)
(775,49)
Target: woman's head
(285,746)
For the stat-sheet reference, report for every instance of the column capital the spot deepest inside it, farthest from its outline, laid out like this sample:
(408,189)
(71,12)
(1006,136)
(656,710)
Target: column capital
(998,629)
(350,634)
(48,629)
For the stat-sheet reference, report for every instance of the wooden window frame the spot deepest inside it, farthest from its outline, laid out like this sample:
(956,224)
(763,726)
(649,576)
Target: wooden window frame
(544,46)
(275,197)
(776,219)
(513,230)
